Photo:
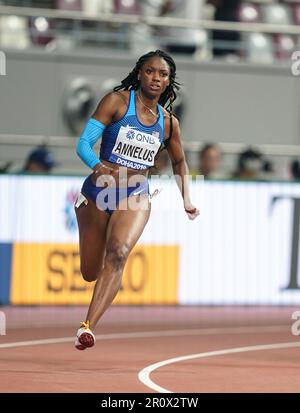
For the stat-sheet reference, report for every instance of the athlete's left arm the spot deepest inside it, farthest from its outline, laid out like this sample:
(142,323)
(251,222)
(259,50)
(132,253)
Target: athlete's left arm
(181,170)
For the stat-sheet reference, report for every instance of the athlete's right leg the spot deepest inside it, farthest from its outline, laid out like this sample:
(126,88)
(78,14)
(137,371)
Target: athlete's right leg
(92,224)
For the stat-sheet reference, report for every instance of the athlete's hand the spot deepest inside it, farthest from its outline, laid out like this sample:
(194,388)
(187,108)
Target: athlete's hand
(191,210)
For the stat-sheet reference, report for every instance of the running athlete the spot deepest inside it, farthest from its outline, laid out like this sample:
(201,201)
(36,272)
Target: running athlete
(135,122)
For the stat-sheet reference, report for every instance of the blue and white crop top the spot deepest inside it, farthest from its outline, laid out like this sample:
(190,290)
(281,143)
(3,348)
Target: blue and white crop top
(127,142)
(130,143)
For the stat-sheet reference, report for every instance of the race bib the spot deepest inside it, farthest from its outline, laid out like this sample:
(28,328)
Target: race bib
(135,149)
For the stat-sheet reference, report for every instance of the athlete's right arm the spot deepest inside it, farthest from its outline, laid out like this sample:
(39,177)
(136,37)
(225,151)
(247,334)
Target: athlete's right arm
(103,115)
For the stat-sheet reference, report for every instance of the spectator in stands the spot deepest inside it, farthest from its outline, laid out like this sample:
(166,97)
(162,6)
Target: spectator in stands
(253,165)
(210,162)
(40,160)
(226,11)
(294,169)
(4,167)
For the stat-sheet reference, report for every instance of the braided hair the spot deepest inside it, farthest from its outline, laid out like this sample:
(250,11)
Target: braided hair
(131,82)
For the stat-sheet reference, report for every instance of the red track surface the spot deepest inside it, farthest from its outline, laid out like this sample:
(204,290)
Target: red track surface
(114,363)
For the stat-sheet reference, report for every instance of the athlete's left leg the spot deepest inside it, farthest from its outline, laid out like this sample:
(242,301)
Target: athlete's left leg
(124,229)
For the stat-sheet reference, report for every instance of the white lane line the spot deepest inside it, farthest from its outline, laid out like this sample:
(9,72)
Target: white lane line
(150,334)
(144,375)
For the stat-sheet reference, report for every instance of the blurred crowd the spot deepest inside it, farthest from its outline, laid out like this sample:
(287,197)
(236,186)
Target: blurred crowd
(250,164)
(39,160)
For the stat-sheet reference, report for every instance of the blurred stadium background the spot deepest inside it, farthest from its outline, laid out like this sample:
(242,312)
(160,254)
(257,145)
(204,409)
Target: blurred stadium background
(239,108)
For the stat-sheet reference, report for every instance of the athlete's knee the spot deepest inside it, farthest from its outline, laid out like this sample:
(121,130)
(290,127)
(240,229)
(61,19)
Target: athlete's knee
(89,274)
(116,254)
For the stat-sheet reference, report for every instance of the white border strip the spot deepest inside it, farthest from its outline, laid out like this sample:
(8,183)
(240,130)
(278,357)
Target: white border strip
(144,375)
(153,334)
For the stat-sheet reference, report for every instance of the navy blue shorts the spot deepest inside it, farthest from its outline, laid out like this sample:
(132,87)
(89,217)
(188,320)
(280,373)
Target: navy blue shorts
(107,199)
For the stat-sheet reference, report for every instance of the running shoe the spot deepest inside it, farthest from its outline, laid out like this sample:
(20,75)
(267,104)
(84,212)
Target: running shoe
(84,338)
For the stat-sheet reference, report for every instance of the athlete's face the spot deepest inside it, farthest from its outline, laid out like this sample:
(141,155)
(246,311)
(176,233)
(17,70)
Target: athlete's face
(155,76)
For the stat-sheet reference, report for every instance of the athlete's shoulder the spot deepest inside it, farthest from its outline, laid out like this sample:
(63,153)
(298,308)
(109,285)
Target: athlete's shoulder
(110,106)
(116,97)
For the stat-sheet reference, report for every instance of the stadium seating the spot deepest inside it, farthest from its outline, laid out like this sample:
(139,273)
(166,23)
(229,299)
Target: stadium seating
(40,30)
(249,13)
(261,47)
(276,13)
(126,6)
(14,32)
(258,47)
(73,5)
(296,13)
(255,47)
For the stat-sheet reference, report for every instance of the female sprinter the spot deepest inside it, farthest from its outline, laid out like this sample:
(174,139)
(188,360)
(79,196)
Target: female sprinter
(134,126)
